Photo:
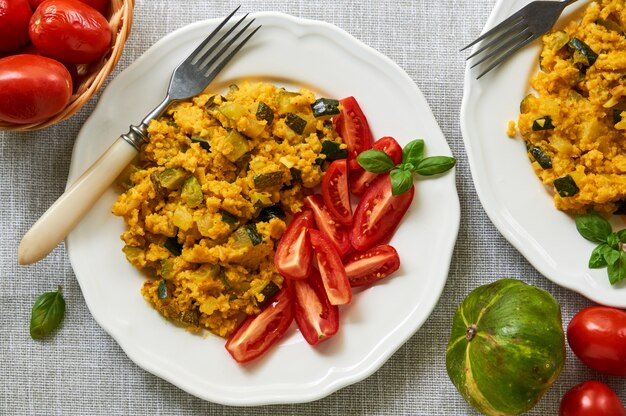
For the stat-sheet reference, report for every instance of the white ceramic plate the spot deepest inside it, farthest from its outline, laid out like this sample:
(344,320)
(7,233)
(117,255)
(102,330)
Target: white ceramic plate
(512,195)
(288,51)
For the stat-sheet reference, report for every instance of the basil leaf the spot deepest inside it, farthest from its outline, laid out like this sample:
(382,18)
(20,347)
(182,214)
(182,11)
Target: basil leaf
(611,256)
(375,161)
(617,270)
(401,181)
(434,165)
(47,314)
(413,152)
(598,257)
(621,234)
(613,241)
(593,227)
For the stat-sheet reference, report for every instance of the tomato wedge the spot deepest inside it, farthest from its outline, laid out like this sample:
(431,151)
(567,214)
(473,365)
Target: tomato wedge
(366,267)
(258,333)
(335,191)
(360,179)
(378,214)
(331,269)
(337,233)
(351,124)
(317,319)
(293,254)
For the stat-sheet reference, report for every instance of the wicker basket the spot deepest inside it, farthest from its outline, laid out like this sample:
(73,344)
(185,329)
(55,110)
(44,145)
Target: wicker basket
(91,76)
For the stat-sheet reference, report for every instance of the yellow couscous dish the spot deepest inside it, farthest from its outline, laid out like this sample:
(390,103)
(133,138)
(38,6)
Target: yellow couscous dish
(574,124)
(208,198)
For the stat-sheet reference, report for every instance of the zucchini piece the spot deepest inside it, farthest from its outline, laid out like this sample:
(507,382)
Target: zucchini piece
(610,25)
(247,236)
(617,115)
(171,178)
(284,102)
(190,317)
(207,271)
(264,112)
(167,268)
(566,186)
(295,123)
(333,151)
(273,211)
(296,174)
(526,105)
(132,253)
(541,157)
(162,290)
(173,246)
(203,141)
(582,52)
(268,292)
(261,199)
(239,143)
(265,180)
(191,192)
(543,123)
(325,107)
(232,110)
(229,218)
(233,88)
(557,40)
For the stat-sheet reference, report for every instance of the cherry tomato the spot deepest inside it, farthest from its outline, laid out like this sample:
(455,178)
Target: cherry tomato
(360,179)
(591,398)
(336,232)
(378,214)
(597,335)
(32,88)
(317,319)
(351,124)
(70,31)
(331,269)
(99,5)
(293,254)
(366,267)
(258,333)
(335,192)
(14,18)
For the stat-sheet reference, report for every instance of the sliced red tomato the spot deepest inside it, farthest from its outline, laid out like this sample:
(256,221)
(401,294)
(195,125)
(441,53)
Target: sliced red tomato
(378,214)
(293,254)
(335,191)
(337,233)
(258,333)
(317,319)
(351,124)
(367,267)
(331,269)
(360,179)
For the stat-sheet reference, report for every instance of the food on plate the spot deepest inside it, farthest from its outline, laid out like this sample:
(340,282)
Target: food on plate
(506,346)
(364,268)
(32,88)
(353,127)
(597,335)
(70,31)
(591,398)
(47,314)
(574,123)
(14,18)
(99,5)
(210,196)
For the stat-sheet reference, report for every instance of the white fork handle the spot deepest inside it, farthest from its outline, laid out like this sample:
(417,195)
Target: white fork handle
(57,222)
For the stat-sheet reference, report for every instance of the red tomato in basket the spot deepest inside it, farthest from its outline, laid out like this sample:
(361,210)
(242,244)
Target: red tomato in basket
(317,319)
(597,335)
(335,191)
(351,124)
(364,268)
(591,398)
(336,232)
(32,88)
(99,5)
(14,18)
(378,214)
(331,269)
(70,31)
(293,254)
(360,179)
(258,333)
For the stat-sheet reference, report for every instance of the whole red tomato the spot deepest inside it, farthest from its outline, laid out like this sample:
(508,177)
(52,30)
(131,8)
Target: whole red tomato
(591,398)
(99,5)
(32,88)
(70,31)
(14,18)
(597,335)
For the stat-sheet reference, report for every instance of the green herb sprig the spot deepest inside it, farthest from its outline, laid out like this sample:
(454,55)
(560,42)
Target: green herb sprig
(609,253)
(413,162)
(47,314)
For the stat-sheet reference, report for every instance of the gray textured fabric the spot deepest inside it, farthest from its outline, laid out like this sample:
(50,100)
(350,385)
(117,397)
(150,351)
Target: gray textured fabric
(82,371)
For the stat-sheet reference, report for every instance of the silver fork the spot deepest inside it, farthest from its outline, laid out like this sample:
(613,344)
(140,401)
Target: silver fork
(190,78)
(512,34)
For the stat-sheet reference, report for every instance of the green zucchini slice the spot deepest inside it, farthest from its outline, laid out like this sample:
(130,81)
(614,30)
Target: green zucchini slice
(265,180)
(566,186)
(541,157)
(264,112)
(543,123)
(295,123)
(325,107)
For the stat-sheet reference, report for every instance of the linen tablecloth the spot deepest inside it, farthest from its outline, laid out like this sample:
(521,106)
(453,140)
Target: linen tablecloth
(80,370)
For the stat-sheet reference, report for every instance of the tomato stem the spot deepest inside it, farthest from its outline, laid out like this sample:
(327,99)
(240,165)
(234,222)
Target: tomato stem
(470,332)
